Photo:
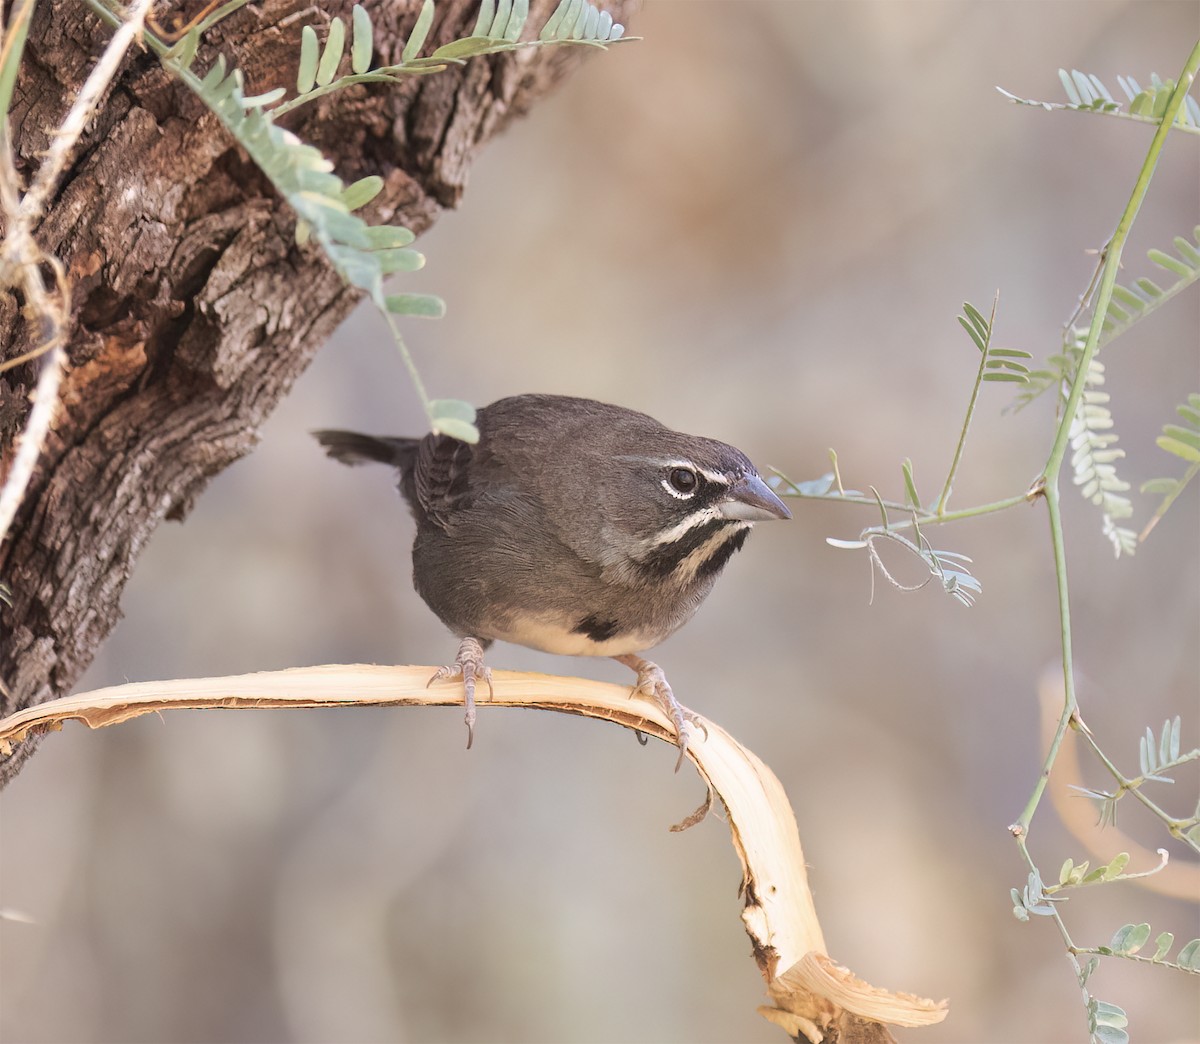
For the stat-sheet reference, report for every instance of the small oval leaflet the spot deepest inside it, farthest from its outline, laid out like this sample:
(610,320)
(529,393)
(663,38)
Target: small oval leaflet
(331,57)
(363,41)
(306,74)
(427,306)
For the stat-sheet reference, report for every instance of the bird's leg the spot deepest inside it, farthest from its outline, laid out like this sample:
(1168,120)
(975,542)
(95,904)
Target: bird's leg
(652,683)
(468,665)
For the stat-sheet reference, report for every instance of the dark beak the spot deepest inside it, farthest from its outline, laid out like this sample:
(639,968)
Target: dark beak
(751,500)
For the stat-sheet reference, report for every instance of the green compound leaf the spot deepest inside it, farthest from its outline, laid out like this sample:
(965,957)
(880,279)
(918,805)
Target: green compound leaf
(980,338)
(468,47)
(456,429)
(483,21)
(1086,93)
(362,254)
(1114,869)
(1189,955)
(13,40)
(1163,944)
(383,237)
(455,418)
(1130,938)
(399,260)
(582,22)
(185,49)
(910,485)
(361,192)
(1086,971)
(1183,448)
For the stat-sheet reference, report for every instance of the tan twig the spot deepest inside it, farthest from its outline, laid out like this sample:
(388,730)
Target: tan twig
(811,992)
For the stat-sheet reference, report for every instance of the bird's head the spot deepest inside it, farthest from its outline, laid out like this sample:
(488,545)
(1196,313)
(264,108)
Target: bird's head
(647,503)
(691,504)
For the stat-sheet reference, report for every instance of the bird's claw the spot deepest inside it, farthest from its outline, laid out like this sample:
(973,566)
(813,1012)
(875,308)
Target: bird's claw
(469,666)
(652,684)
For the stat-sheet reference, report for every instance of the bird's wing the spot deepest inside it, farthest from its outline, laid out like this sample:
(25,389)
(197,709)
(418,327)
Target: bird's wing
(442,477)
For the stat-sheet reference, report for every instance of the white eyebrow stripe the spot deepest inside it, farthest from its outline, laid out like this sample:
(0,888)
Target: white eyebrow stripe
(691,465)
(675,462)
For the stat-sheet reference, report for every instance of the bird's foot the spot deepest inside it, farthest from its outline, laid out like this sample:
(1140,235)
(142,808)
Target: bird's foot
(469,666)
(652,684)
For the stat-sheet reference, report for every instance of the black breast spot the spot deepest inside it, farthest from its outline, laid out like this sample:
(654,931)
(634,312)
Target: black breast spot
(596,628)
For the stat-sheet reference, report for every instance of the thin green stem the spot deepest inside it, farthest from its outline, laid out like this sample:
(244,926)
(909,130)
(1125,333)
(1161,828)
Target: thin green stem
(1055,916)
(929,519)
(1175,827)
(1021,827)
(1049,485)
(417,67)
(940,509)
(1119,114)
(375,76)
(1112,261)
(106,13)
(220,14)
(1185,128)
(1092,951)
(12,48)
(1168,500)
(1050,474)
(923,517)
(1174,290)
(409,364)
(1082,304)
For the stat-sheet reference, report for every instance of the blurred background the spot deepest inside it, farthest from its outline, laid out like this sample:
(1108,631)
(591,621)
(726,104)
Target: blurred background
(759,225)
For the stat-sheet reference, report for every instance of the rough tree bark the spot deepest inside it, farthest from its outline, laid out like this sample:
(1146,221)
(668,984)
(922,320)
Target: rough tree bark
(193,310)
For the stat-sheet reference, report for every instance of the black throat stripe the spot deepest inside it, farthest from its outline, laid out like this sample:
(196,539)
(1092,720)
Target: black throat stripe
(661,561)
(715,562)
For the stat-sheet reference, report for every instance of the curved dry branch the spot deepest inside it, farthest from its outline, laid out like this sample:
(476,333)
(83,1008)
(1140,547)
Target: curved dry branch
(813,997)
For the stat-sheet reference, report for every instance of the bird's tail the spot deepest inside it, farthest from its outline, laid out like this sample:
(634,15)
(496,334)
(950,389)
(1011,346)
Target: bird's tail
(350,447)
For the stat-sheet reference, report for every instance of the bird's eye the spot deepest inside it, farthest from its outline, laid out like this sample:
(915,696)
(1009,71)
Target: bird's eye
(683,480)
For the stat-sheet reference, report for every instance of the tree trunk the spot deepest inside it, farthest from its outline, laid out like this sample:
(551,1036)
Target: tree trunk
(193,310)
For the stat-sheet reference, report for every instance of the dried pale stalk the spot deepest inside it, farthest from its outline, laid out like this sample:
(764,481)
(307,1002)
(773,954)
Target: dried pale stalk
(813,996)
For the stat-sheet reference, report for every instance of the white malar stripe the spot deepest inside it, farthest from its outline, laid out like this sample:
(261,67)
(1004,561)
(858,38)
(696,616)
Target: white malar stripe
(669,536)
